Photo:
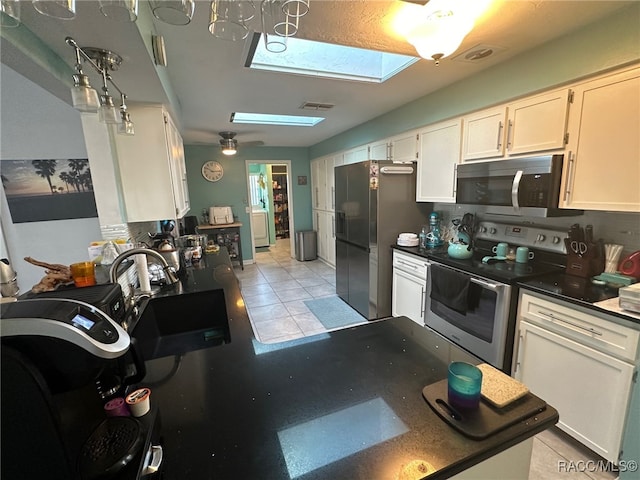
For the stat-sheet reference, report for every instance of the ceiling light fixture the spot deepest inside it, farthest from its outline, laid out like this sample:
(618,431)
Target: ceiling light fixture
(437,29)
(120,10)
(85,98)
(228,143)
(173,12)
(61,9)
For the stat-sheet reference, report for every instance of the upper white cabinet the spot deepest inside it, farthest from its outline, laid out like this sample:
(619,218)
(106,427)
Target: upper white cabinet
(380,150)
(404,148)
(152,167)
(602,166)
(356,155)
(438,157)
(484,134)
(401,148)
(534,124)
(538,123)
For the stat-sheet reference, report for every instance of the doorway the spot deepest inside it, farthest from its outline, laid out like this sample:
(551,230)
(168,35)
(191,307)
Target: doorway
(271,204)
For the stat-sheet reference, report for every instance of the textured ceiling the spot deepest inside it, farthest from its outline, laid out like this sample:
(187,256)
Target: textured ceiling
(210,80)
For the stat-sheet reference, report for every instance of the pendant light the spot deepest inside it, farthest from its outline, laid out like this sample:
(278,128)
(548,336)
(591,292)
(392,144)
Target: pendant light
(60,9)
(85,98)
(10,13)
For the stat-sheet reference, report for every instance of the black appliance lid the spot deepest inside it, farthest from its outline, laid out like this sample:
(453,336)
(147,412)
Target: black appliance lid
(75,322)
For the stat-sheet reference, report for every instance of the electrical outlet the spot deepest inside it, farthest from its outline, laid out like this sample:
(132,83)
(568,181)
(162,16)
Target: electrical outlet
(247,209)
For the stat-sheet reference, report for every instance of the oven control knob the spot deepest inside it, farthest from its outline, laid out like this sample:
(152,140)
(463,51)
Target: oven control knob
(483,229)
(556,239)
(493,230)
(541,237)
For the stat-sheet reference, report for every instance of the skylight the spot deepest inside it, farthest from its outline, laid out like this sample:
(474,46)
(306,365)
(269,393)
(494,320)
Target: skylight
(270,119)
(316,59)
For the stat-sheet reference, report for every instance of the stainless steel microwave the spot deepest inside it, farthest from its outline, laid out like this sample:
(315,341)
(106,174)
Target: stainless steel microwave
(522,187)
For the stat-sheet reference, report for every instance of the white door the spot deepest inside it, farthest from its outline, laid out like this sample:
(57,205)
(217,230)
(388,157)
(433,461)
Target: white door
(260,225)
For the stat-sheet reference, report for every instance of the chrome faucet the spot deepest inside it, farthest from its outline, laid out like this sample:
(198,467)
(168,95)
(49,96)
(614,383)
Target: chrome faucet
(169,271)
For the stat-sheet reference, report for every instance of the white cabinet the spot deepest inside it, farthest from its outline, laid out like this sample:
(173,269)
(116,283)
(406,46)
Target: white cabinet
(152,167)
(319,183)
(580,364)
(356,155)
(380,150)
(484,134)
(538,123)
(323,224)
(331,164)
(533,124)
(404,147)
(401,148)
(409,286)
(602,168)
(439,155)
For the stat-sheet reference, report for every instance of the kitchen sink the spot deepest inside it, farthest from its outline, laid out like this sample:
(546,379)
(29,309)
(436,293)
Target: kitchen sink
(183,323)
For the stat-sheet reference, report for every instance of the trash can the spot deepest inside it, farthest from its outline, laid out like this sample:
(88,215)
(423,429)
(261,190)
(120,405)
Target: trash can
(306,245)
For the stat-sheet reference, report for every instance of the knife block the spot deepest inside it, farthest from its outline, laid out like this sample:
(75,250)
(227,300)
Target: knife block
(586,265)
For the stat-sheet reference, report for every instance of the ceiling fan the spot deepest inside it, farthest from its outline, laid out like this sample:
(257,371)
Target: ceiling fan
(230,145)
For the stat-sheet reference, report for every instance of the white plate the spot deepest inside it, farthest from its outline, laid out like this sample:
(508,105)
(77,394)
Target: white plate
(407,236)
(408,243)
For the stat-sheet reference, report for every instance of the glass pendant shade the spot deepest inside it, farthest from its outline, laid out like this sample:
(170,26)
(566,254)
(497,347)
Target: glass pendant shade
(120,10)
(126,126)
(107,113)
(440,35)
(229,19)
(173,12)
(85,98)
(295,8)
(10,13)
(61,9)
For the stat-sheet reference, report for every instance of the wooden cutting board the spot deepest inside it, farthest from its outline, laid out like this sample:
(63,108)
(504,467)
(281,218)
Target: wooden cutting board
(498,388)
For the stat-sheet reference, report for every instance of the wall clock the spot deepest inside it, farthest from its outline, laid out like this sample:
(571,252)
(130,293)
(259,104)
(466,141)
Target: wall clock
(212,171)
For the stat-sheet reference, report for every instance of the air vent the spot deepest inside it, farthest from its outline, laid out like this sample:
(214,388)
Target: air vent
(478,53)
(317,106)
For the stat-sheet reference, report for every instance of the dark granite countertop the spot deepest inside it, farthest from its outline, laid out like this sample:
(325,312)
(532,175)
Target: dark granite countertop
(570,288)
(345,404)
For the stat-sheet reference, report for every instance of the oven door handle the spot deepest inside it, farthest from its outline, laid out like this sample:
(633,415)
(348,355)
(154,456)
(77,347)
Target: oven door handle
(514,189)
(489,286)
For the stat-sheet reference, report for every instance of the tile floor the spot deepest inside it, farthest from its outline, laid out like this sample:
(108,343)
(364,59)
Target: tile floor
(274,289)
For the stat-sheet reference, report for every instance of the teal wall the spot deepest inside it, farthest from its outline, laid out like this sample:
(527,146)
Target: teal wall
(609,43)
(232,188)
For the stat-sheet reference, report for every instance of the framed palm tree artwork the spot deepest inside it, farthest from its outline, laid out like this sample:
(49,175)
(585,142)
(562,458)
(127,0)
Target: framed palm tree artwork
(48,189)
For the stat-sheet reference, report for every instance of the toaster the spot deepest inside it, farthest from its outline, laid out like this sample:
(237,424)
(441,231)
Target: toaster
(220,215)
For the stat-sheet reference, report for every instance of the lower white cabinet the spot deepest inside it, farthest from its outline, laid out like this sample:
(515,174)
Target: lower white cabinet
(565,356)
(324,225)
(409,287)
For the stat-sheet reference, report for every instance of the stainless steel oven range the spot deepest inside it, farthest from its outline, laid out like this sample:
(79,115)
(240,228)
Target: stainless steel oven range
(474,302)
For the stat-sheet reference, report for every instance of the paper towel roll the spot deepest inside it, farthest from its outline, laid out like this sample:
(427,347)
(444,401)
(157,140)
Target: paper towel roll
(143,273)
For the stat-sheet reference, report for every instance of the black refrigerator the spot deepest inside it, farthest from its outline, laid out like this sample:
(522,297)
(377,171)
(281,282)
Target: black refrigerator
(375,201)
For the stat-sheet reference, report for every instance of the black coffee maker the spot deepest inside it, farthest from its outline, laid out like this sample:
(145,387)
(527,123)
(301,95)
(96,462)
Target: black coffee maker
(54,353)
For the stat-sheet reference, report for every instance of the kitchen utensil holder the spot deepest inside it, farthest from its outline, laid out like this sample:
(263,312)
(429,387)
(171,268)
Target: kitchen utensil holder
(584,265)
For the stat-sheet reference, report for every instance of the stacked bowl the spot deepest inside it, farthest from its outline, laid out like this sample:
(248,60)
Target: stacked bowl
(408,240)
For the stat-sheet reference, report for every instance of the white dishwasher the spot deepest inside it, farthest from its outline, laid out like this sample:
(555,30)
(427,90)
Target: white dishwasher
(409,286)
